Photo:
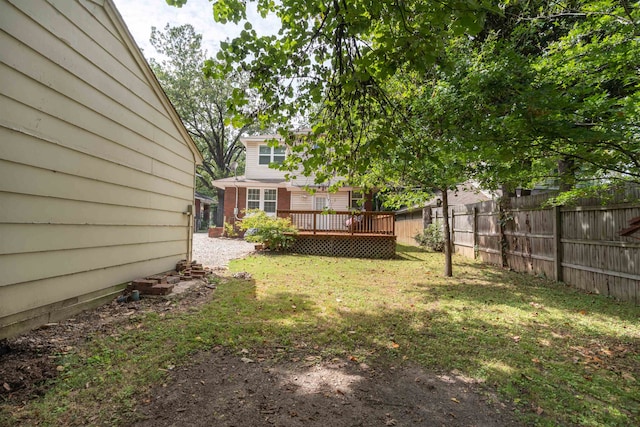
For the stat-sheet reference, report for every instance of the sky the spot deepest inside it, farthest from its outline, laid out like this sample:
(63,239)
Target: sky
(141,15)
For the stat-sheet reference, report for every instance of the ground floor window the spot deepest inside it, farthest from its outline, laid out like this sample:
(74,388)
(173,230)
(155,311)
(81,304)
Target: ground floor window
(265,199)
(357,201)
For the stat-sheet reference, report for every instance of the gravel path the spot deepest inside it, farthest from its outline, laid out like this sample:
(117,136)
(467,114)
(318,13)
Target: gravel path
(217,252)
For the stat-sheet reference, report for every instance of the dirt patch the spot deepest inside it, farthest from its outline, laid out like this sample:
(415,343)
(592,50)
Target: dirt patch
(234,390)
(29,360)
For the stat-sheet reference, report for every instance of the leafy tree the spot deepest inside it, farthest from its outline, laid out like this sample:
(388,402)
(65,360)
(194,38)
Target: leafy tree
(560,81)
(201,104)
(591,117)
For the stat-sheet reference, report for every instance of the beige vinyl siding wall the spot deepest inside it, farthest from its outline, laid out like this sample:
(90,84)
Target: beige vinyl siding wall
(94,173)
(339,200)
(301,202)
(258,171)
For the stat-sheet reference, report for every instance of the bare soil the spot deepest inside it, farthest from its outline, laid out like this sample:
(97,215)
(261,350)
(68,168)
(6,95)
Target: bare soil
(242,389)
(225,389)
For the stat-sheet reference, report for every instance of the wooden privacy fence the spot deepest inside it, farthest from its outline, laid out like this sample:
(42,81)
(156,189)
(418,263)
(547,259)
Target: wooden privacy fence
(578,245)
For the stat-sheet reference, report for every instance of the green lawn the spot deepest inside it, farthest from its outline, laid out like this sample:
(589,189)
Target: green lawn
(562,356)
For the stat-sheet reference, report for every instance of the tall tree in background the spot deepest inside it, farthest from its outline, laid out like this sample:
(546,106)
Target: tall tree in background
(202,104)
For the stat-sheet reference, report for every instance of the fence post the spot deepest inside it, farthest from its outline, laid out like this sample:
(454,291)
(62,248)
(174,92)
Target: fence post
(475,232)
(557,242)
(502,220)
(453,230)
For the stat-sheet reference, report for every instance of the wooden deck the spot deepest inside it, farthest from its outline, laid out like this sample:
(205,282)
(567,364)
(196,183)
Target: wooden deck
(342,222)
(344,234)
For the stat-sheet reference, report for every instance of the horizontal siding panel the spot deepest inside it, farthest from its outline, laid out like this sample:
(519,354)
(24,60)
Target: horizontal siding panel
(22,238)
(93,20)
(20,208)
(92,66)
(17,178)
(97,11)
(340,201)
(25,296)
(18,268)
(56,105)
(301,202)
(26,149)
(62,95)
(34,123)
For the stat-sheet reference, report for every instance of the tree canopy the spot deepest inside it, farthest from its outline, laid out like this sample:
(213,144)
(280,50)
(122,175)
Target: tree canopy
(545,89)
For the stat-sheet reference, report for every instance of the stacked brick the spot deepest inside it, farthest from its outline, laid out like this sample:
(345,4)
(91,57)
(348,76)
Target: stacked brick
(162,284)
(190,270)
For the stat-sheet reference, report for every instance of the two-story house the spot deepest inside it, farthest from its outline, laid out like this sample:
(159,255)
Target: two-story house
(265,188)
(339,223)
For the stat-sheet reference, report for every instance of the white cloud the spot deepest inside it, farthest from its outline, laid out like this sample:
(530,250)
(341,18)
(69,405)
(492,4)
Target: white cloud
(141,15)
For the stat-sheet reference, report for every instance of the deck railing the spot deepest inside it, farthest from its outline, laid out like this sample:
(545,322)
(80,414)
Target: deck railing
(346,222)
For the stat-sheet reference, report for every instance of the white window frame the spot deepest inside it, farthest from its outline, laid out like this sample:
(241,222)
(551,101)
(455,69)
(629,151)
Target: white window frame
(272,156)
(262,200)
(354,201)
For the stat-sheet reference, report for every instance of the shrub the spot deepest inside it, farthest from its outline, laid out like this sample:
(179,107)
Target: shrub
(431,237)
(273,232)
(230,230)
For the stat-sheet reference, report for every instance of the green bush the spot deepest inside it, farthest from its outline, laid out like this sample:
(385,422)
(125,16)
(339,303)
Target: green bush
(273,232)
(431,237)
(230,229)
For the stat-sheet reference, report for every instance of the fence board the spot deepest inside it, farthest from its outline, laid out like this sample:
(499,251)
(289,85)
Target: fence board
(407,229)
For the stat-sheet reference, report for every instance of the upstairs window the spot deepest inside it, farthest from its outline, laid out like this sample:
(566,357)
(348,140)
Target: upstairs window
(268,155)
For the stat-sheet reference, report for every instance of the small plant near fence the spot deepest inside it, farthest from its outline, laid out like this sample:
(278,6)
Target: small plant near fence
(273,232)
(431,237)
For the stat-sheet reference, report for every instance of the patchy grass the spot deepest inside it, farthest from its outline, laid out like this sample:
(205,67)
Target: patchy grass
(562,356)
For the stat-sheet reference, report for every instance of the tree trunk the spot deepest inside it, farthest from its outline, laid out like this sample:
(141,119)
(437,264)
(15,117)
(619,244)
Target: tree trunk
(448,269)
(220,210)
(567,173)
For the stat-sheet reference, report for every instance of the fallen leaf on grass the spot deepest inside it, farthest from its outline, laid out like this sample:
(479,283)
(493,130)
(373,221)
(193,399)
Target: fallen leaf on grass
(395,345)
(453,399)
(516,338)
(246,360)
